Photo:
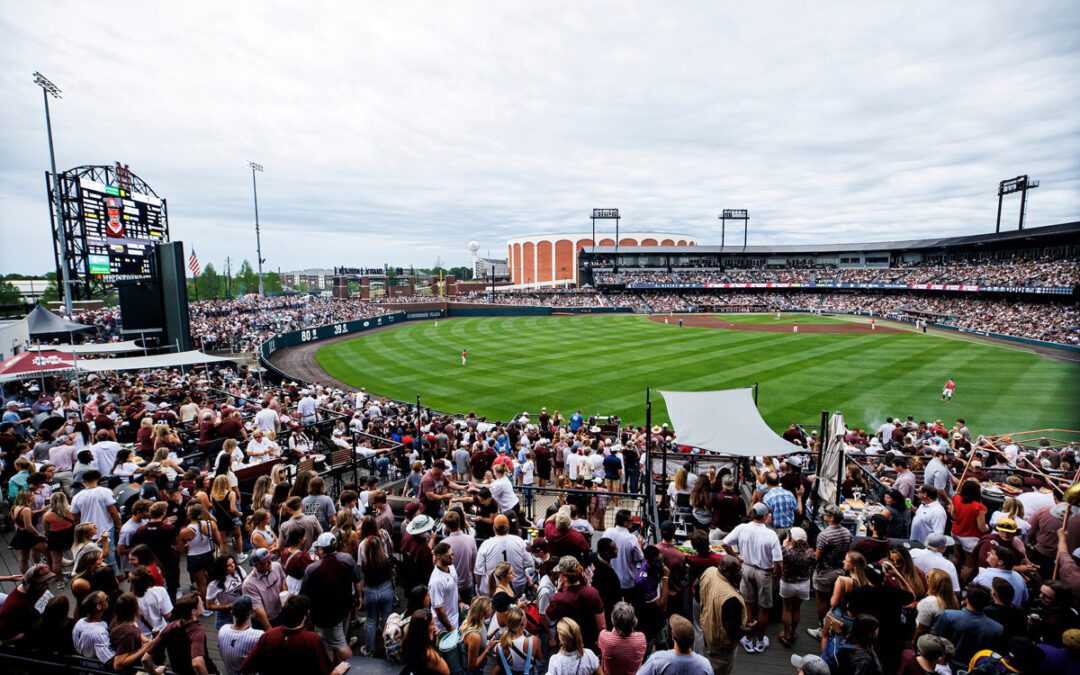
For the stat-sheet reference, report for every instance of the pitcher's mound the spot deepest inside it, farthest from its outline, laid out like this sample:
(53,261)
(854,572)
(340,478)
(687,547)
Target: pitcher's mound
(782,326)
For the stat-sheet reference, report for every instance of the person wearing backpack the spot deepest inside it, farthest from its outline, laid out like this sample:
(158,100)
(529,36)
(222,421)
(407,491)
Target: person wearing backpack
(858,656)
(517,652)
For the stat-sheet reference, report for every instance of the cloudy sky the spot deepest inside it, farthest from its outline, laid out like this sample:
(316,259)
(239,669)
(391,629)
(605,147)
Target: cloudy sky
(397,132)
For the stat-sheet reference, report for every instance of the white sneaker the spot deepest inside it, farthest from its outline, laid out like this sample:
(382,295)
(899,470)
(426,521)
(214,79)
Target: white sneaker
(242,558)
(207,612)
(748,645)
(814,633)
(762,644)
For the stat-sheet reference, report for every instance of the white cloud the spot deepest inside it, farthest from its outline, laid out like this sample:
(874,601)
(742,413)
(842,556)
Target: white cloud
(396,133)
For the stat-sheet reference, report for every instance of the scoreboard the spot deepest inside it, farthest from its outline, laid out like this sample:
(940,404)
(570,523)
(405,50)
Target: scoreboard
(120,227)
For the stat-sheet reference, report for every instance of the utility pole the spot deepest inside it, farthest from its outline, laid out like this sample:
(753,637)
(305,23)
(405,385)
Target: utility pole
(258,241)
(47,89)
(228,277)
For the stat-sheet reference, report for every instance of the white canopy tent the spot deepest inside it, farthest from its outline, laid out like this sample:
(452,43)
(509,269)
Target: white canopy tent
(725,421)
(190,358)
(103,348)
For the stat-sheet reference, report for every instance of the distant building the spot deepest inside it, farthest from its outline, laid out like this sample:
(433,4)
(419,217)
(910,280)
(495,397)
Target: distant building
(552,259)
(31,290)
(317,279)
(499,269)
(14,337)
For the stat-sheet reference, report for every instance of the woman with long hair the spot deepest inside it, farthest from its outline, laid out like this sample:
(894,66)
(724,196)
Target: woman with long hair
(515,649)
(92,574)
(279,473)
(1012,509)
(82,437)
(474,635)
(939,597)
(419,647)
(169,466)
(166,439)
(861,657)
(261,493)
(838,618)
(262,534)
(369,527)
(300,486)
(226,577)
(701,502)
(59,526)
(224,468)
(900,557)
(155,605)
(124,466)
(226,510)
(124,634)
(573,658)
(345,530)
(503,595)
(899,514)
(28,541)
(277,504)
(799,561)
(377,573)
(198,539)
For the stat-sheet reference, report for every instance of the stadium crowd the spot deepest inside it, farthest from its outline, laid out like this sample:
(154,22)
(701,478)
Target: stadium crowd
(141,476)
(1019,271)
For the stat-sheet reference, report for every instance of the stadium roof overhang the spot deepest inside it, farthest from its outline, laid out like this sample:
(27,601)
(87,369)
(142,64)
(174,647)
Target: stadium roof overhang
(1051,234)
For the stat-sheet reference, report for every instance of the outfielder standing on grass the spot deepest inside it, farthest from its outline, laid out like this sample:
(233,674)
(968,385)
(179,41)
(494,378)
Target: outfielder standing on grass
(947,392)
(464,355)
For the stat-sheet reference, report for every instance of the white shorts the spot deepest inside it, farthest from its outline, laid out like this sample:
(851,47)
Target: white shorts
(947,392)
(968,543)
(800,589)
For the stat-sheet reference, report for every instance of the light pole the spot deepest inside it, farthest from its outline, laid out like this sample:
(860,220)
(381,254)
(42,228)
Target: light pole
(258,241)
(47,89)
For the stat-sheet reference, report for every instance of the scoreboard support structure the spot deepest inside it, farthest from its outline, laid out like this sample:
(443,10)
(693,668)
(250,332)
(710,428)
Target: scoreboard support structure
(111,220)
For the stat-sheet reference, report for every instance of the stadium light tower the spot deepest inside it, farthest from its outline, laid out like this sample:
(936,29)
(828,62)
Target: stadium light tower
(1019,184)
(258,241)
(49,89)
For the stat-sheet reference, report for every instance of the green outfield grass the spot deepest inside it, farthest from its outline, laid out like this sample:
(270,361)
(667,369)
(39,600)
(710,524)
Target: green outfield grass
(603,363)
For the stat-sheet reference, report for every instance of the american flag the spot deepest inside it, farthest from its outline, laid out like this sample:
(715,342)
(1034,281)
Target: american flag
(193,263)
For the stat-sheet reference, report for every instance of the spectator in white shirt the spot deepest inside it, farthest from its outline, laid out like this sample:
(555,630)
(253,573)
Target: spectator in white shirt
(930,517)
(628,545)
(932,557)
(763,563)
(105,451)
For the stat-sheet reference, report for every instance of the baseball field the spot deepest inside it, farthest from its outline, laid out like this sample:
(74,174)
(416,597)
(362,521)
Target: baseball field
(602,364)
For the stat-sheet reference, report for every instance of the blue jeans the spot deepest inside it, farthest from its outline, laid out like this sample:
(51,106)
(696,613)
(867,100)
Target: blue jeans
(378,602)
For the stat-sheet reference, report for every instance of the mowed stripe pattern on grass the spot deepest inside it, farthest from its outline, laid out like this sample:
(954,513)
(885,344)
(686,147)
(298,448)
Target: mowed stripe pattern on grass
(603,364)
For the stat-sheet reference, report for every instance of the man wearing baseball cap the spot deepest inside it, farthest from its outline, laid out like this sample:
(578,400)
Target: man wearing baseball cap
(332,579)
(763,562)
(577,601)
(264,586)
(17,613)
(503,547)
(933,557)
(930,652)
(812,665)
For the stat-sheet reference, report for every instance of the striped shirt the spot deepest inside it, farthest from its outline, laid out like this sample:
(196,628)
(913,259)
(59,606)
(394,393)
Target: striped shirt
(783,506)
(235,645)
(833,544)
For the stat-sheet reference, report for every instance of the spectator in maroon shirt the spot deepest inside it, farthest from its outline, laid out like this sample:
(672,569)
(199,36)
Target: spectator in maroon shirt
(562,539)
(230,426)
(184,640)
(17,615)
(577,601)
(290,647)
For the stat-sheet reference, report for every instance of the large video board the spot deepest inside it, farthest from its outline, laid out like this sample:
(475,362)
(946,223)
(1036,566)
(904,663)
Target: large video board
(120,228)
